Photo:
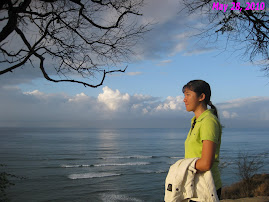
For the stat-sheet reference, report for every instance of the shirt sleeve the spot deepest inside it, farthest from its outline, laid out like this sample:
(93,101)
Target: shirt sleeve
(210,130)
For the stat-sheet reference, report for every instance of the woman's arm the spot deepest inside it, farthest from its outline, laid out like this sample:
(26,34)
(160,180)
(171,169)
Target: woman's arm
(208,155)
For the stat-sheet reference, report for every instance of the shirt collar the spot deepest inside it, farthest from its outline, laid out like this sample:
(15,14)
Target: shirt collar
(202,116)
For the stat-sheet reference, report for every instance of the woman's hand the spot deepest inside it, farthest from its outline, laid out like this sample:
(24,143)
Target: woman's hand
(208,155)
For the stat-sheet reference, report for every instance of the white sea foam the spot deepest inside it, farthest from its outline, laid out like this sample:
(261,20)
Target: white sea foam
(91,175)
(152,171)
(107,164)
(176,157)
(127,157)
(141,157)
(123,164)
(110,197)
(75,166)
(161,171)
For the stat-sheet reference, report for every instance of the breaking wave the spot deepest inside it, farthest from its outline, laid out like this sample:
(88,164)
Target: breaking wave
(107,164)
(123,164)
(91,175)
(75,166)
(110,197)
(127,157)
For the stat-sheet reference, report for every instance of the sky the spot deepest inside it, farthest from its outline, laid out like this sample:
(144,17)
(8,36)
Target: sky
(148,94)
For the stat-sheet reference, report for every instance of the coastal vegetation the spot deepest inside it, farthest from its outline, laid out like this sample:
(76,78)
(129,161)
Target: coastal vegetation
(251,183)
(259,186)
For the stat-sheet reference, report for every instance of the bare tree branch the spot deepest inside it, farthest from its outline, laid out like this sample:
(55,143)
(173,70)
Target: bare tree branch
(72,36)
(247,27)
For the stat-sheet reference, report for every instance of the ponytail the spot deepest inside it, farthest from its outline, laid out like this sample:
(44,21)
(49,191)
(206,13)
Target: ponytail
(215,111)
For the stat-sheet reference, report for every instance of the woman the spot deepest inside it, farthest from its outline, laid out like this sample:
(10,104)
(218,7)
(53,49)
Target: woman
(204,138)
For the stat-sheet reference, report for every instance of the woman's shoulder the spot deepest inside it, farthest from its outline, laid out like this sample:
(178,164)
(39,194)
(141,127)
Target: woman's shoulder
(208,115)
(210,123)
(210,118)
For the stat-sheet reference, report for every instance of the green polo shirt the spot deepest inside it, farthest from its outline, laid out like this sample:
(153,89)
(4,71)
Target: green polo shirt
(207,127)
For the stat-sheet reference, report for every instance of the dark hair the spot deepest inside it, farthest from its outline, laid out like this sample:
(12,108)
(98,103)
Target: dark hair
(199,87)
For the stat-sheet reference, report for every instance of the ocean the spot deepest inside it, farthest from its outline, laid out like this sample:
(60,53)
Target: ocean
(109,164)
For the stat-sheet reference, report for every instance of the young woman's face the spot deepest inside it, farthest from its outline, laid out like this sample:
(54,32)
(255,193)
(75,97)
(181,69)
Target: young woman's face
(191,100)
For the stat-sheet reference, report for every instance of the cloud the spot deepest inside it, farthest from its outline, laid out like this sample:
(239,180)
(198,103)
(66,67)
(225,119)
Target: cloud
(134,73)
(168,36)
(243,102)
(160,11)
(81,97)
(35,93)
(171,103)
(164,62)
(113,100)
(198,51)
(180,47)
(245,112)
(183,36)
(228,115)
(185,44)
(168,22)
(112,108)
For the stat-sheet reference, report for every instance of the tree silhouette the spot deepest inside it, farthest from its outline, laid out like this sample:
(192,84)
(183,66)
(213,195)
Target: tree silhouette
(245,25)
(75,37)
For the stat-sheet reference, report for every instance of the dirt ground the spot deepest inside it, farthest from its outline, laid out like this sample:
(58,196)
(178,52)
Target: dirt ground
(254,199)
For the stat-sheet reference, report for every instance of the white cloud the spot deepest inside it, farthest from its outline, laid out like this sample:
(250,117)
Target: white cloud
(134,73)
(35,93)
(243,102)
(198,51)
(113,99)
(38,96)
(186,47)
(183,36)
(164,62)
(142,97)
(229,115)
(145,111)
(171,103)
(247,111)
(163,39)
(112,108)
(136,106)
(181,46)
(78,98)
